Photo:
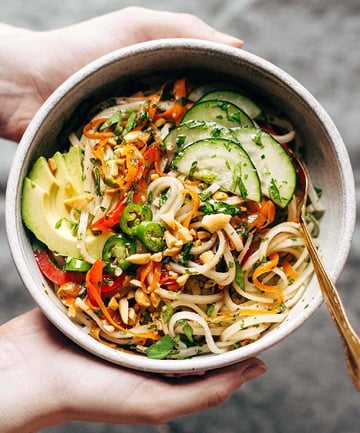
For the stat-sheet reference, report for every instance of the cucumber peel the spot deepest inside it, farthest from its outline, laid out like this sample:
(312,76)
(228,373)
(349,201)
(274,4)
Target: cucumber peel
(223,112)
(220,161)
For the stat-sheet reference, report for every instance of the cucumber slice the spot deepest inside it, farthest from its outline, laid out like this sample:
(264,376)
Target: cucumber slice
(248,105)
(220,161)
(274,166)
(200,90)
(194,130)
(222,112)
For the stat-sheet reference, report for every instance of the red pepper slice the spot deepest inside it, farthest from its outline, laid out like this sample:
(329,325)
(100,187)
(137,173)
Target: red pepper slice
(94,279)
(111,284)
(53,273)
(110,219)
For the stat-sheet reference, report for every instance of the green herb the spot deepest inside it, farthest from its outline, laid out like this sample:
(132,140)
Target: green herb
(237,181)
(73,224)
(193,168)
(205,195)
(210,309)
(213,206)
(114,119)
(131,123)
(208,178)
(216,132)
(188,331)
(143,115)
(97,178)
(167,312)
(161,348)
(185,255)
(274,190)
(257,139)
(180,140)
(236,117)
(239,276)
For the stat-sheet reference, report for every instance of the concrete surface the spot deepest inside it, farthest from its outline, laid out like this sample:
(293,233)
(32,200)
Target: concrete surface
(306,389)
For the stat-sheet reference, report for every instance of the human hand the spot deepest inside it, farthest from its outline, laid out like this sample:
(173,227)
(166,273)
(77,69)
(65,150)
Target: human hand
(35,63)
(47,380)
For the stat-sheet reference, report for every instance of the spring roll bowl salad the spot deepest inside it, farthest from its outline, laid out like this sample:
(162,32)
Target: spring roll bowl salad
(156,209)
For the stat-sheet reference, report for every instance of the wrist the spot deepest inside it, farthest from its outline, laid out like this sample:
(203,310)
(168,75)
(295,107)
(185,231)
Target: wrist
(28,400)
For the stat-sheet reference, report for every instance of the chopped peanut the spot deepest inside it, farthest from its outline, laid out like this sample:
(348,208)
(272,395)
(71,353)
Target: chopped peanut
(182,279)
(171,252)
(142,298)
(183,233)
(171,240)
(154,176)
(156,257)
(79,201)
(112,168)
(113,304)
(215,222)
(124,310)
(203,235)
(220,195)
(52,165)
(168,218)
(155,299)
(139,259)
(206,256)
(132,316)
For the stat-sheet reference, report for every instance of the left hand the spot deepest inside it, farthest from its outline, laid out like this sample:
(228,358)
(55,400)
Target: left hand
(34,64)
(47,380)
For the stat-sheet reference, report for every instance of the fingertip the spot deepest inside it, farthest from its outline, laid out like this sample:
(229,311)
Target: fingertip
(228,40)
(253,369)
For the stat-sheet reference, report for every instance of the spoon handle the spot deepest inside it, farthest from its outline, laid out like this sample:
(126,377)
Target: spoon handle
(350,339)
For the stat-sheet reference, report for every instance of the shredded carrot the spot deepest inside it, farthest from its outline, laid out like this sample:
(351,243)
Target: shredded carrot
(150,271)
(98,152)
(265,211)
(94,279)
(92,125)
(132,170)
(143,272)
(196,204)
(263,269)
(268,211)
(153,102)
(179,108)
(289,270)
(155,278)
(151,154)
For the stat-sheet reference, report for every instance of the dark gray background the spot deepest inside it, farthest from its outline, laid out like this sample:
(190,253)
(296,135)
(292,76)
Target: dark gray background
(306,389)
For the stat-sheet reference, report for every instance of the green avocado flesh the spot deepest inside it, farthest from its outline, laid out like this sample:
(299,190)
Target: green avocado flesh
(44,209)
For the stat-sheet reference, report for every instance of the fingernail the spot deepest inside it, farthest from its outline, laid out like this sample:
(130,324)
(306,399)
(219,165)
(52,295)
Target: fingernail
(230,40)
(253,371)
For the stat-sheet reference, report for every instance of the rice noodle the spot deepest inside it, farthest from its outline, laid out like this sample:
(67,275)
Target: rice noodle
(208,289)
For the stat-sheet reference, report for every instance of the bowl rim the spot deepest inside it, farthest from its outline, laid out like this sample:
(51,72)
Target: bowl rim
(57,317)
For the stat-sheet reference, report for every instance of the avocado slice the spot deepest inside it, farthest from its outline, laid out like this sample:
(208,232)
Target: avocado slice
(43,207)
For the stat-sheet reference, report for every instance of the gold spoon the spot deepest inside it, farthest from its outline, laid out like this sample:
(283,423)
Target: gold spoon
(350,339)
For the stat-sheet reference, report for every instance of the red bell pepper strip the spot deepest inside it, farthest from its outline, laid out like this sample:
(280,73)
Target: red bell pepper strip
(52,272)
(110,219)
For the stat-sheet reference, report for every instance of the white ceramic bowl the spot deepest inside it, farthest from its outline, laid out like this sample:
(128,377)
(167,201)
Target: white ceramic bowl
(326,155)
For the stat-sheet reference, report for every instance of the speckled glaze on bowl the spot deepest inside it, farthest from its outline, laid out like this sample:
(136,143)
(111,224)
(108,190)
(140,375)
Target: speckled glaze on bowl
(326,156)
